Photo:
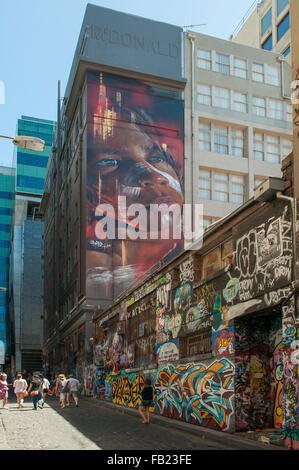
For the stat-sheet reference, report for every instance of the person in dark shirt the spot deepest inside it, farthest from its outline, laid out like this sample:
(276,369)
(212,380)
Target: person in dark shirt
(146,401)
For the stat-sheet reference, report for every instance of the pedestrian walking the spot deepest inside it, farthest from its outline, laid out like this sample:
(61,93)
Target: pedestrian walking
(45,388)
(20,386)
(61,389)
(3,389)
(35,390)
(73,385)
(147,395)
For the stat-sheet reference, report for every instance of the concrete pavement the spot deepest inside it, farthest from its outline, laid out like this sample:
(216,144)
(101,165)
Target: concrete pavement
(98,424)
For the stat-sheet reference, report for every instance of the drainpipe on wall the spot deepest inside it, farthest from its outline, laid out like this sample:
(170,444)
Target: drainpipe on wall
(281,59)
(191,38)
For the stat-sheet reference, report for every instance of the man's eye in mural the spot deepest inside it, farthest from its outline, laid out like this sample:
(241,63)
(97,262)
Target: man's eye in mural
(107,163)
(156,159)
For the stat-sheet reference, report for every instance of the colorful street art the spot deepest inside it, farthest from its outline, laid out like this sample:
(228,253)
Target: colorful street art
(182,298)
(223,342)
(89,380)
(197,393)
(197,317)
(263,255)
(125,389)
(163,308)
(168,351)
(217,313)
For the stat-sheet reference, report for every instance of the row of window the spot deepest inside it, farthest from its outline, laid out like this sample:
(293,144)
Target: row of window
(281,29)
(230,141)
(30,182)
(5,227)
(224,187)
(237,66)
(38,128)
(236,101)
(270,148)
(7,195)
(5,211)
(225,140)
(32,159)
(266,22)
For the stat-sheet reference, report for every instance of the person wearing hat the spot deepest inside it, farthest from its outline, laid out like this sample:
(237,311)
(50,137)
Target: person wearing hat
(35,390)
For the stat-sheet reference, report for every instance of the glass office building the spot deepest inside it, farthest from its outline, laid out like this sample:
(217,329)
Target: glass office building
(31,166)
(7,195)
(27,248)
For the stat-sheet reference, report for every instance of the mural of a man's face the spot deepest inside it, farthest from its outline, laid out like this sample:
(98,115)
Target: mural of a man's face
(134,165)
(134,156)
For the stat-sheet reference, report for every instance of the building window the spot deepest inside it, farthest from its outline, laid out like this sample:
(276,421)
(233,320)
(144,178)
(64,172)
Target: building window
(266,21)
(205,185)
(240,102)
(204,136)
(289,112)
(222,98)
(287,51)
(273,75)
(259,106)
(222,63)
(268,44)
(204,59)
(258,73)
(226,141)
(283,27)
(240,67)
(221,140)
(238,189)
(258,147)
(204,94)
(286,147)
(275,109)
(221,183)
(281,5)
(272,149)
(237,143)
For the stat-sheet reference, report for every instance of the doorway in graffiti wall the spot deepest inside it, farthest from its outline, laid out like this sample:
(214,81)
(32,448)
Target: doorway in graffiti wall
(259,371)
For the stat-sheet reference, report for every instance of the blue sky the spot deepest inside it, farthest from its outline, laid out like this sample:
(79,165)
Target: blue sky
(38,40)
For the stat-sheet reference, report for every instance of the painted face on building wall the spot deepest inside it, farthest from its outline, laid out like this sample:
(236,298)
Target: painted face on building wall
(135,151)
(133,165)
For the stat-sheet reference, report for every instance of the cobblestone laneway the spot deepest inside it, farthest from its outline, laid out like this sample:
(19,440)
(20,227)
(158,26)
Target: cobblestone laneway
(88,427)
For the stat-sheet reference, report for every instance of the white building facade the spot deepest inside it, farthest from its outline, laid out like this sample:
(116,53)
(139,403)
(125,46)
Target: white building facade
(238,121)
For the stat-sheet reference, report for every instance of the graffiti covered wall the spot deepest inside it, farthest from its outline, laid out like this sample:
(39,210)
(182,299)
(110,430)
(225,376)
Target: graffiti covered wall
(125,389)
(197,393)
(221,348)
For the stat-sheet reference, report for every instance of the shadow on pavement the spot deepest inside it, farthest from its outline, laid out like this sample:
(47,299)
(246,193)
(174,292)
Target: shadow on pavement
(112,430)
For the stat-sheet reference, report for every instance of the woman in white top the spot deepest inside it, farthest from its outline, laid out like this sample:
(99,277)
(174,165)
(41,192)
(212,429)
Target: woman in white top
(20,386)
